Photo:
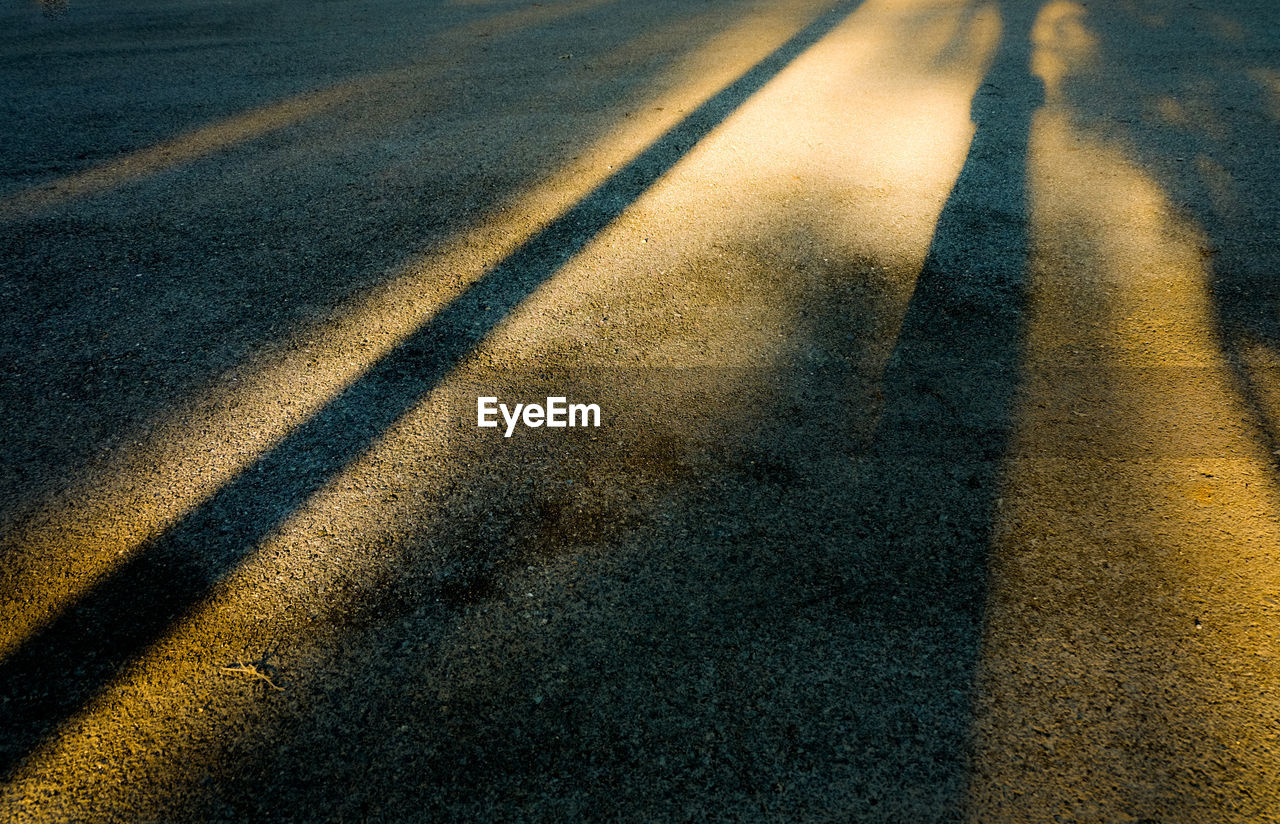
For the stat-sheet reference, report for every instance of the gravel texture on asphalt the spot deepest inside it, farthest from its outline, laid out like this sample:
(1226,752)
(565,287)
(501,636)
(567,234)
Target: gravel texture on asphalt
(937,348)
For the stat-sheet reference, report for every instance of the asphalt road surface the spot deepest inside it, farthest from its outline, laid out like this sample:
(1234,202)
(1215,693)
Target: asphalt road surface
(936,347)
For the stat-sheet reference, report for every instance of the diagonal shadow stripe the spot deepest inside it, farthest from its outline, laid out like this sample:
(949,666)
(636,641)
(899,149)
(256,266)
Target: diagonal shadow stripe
(62,666)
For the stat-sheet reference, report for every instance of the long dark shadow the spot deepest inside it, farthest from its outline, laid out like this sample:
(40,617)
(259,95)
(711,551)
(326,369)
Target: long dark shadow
(932,471)
(62,666)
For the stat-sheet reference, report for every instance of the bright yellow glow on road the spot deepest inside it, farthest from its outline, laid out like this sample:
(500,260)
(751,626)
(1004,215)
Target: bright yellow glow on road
(1061,44)
(1139,508)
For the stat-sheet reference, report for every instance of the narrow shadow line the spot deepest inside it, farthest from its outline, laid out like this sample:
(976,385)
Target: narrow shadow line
(64,664)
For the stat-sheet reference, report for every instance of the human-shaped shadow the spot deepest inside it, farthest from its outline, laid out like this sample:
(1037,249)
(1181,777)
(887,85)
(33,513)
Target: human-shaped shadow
(931,474)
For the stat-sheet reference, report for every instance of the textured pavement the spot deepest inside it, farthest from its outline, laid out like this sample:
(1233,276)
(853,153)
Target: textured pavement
(937,346)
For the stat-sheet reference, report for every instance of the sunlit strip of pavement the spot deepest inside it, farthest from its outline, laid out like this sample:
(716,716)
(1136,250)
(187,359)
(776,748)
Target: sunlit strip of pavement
(1130,669)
